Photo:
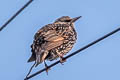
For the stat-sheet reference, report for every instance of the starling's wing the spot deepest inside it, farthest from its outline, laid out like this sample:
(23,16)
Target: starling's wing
(51,39)
(44,32)
(52,42)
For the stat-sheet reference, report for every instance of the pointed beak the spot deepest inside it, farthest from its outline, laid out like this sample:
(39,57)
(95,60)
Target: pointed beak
(75,19)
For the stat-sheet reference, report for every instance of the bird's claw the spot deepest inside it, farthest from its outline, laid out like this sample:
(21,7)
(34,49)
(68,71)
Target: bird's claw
(47,68)
(62,60)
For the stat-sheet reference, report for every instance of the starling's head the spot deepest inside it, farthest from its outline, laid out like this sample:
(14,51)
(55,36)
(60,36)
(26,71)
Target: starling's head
(67,19)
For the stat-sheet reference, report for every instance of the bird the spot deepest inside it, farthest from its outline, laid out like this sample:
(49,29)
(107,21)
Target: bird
(54,41)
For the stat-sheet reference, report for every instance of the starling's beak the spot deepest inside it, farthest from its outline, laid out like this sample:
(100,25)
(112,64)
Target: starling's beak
(75,19)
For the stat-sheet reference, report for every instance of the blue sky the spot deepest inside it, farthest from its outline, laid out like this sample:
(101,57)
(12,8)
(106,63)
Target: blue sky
(99,62)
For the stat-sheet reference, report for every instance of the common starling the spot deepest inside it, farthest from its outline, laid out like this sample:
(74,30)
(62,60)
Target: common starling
(54,40)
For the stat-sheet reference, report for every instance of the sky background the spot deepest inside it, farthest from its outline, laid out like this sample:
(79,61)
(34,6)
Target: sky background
(99,17)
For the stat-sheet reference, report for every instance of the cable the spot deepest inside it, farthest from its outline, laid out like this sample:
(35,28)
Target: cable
(16,14)
(72,54)
(31,69)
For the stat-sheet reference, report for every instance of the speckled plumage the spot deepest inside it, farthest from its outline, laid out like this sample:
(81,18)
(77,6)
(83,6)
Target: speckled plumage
(54,40)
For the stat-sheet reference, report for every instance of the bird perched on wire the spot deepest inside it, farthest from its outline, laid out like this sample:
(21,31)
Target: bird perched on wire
(54,40)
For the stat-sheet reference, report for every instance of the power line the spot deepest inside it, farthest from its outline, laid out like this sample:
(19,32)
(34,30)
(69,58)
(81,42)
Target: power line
(16,14)
(72,54)
(30,69)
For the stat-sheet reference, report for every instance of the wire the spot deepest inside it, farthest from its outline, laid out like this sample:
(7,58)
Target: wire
(31,69)
(76,52)
(16,14)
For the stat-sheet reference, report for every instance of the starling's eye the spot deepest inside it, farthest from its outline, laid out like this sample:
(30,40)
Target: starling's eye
(67,20)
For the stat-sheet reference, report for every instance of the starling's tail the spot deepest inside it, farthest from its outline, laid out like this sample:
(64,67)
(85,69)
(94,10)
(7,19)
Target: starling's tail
(32,58)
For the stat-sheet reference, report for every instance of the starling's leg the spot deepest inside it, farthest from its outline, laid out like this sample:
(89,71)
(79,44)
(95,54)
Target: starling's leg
(46,66)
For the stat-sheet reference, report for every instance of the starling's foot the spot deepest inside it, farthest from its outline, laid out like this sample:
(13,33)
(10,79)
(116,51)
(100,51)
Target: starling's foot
(47,68)
(62,60)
